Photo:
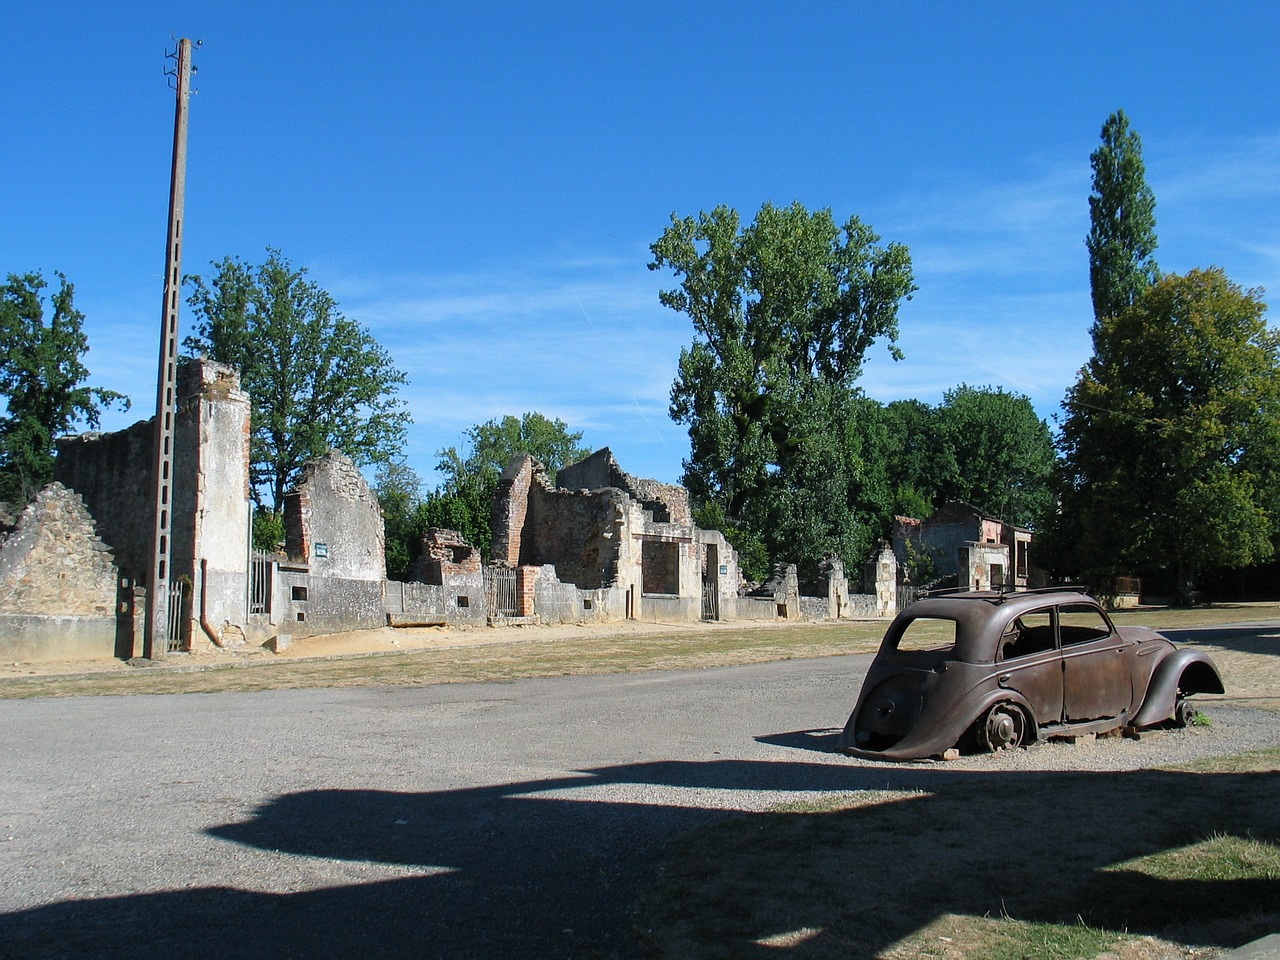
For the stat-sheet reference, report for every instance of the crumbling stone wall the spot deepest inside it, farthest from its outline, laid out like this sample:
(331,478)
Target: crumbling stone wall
(445,554)
(579,532)
(54,560)
(112,473)
(669,503)
(333,521)
(58,582)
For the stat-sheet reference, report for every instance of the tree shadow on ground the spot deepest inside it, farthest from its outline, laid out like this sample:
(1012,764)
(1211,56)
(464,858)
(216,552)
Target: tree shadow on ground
(553,867)
(1263,639)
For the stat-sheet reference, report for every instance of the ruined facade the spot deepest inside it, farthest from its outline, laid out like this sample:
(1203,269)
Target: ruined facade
(113,474)
(599,545)
(332,575)
(960,541)
(603,545)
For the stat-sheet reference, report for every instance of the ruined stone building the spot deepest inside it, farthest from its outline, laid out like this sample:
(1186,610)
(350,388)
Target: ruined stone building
(961,543)
(598,545)
(601,544)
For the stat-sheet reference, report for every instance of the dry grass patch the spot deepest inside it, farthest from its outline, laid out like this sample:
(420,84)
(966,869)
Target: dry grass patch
(1179,863)
(480,662)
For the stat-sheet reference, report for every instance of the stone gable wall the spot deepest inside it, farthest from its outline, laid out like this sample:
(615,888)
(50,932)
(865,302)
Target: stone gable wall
(668,502)
(54,561)
(333,522)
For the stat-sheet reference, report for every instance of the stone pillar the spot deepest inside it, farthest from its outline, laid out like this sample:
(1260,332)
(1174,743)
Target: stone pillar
(886,585)
(837,588)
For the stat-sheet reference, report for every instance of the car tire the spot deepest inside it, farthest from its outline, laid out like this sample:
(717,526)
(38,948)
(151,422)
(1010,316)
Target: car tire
(1003,727)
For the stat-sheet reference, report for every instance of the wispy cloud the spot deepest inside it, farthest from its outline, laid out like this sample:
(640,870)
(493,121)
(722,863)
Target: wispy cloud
(1003,301)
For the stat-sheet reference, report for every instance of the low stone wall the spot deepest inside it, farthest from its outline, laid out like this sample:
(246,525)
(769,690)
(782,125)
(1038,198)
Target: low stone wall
(815,608)
(28,637)
(310,606)
(663,608)
(756,608)
(460,600)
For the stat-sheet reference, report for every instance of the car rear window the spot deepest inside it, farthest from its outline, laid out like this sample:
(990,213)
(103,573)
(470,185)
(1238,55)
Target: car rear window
(928,633)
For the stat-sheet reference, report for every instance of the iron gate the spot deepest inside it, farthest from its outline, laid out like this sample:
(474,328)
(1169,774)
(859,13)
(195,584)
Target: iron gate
(179,620)
(260,583)
(500,591)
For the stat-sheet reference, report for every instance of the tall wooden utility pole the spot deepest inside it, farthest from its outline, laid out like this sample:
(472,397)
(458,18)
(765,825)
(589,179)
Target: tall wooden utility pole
(157,623)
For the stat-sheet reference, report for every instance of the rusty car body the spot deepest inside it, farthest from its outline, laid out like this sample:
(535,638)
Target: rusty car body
(989,671)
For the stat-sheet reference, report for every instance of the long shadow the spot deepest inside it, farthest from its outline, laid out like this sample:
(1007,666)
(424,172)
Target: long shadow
(1263,637)
(552,867)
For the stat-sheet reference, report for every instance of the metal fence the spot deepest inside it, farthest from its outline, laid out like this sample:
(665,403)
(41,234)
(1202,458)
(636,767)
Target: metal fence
(500,591)
(178,622)
(260,582)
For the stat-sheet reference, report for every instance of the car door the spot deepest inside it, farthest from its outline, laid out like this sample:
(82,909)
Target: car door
(1095,673)
(1029,662)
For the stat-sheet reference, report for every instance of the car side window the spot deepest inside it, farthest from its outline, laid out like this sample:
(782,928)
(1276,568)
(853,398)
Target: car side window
(1030,633)
(1081,622)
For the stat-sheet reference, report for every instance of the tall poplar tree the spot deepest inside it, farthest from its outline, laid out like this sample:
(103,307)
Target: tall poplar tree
(1122,221)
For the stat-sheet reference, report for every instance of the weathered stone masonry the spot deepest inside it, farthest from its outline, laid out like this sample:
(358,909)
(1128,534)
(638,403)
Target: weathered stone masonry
(58,587)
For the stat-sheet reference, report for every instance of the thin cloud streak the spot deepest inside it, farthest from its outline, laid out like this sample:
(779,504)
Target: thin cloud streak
(1003,301)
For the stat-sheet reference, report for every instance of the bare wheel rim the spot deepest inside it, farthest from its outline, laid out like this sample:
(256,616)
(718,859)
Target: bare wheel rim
(1004,727)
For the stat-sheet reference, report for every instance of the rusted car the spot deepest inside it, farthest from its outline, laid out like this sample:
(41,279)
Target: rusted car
(989,671)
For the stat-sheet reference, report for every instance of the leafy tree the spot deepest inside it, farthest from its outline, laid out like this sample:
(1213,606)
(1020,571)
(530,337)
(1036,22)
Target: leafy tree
(268,530)
(1003,453)
(919,461)
(317,380)
(1122,231)
(42,381)
(784,311)
(464,499)
(399,491)
(1170,442)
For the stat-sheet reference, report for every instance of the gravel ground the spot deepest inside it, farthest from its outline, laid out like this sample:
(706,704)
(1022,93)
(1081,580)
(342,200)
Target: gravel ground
(484,820)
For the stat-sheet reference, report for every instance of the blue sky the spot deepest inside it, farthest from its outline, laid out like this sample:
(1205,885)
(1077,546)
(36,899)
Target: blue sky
(478,183)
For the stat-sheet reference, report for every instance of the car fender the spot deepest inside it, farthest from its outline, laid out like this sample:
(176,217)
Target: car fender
(1199,672)
(947,732)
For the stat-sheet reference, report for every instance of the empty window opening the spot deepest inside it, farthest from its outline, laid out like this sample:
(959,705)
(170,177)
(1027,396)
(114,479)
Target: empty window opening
(297,593)
(660,567)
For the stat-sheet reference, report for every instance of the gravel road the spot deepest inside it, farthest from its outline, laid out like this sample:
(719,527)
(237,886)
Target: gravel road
(489,820)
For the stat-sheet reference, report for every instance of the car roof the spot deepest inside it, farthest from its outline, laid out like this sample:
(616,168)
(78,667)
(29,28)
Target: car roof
(982,615)
(990,604)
